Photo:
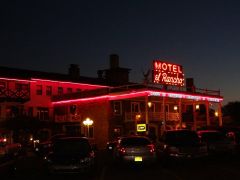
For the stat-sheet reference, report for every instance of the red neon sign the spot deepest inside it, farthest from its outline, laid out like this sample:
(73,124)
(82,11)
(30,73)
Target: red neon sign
(167,73)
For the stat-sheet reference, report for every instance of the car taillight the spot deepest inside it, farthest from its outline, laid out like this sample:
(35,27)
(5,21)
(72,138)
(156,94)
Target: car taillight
(92,154)
(151,148)
(122,150)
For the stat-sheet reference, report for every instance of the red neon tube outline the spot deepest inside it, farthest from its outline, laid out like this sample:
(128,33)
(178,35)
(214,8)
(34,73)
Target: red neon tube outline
(141,93)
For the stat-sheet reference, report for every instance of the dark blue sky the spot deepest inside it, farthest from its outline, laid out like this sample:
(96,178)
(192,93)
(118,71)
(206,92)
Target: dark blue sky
(202,36)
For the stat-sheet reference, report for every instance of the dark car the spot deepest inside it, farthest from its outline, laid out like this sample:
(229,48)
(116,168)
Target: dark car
(180,145)
(136,149)
(217,142)
(70,155)
(44,147)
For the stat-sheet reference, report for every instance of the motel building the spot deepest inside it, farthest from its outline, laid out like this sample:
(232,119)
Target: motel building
(108,106)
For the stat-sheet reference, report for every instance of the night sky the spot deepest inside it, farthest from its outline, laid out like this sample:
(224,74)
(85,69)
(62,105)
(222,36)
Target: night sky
(202,36)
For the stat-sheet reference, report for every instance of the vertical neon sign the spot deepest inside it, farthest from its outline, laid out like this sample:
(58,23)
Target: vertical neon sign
(167,73)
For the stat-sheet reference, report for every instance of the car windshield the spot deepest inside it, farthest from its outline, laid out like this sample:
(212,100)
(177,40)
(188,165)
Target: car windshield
(181,138)
(71,146)
(135,141)
(212,136)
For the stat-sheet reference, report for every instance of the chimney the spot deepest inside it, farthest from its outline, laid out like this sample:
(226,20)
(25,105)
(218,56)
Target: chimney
(190,85)
(114,61)
(74,71)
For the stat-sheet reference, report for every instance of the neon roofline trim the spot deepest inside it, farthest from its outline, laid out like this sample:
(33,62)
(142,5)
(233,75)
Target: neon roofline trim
(143,93)
(13,79)
(66,82)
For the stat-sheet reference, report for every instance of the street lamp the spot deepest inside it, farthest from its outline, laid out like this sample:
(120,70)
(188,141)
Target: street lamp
(88,122)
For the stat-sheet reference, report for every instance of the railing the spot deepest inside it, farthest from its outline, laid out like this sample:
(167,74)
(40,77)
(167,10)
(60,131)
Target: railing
(104,91)
(14,95)
(152,116)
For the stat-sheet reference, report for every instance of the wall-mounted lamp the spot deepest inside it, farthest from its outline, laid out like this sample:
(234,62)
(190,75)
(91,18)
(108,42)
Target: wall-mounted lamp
(175,108)
(138,116)
(149,104)
(197,107)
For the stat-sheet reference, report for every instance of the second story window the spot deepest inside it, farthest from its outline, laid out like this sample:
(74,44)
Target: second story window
(21,87)
(49,90)
(78,90)
(117,107)
(39,89)
(2,85)
(69,90)
(60,90)
(135,107)
(42,113)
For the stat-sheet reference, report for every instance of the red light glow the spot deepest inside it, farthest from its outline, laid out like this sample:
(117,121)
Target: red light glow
(12,79)
(167,73)
(71,83)
(142,94)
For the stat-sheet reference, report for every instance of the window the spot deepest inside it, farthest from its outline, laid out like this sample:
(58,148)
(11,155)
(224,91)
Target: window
(91,132)
(39,90)
(21,87)
(30,111)
(42,113)
(166,108)
(2,85)
(60,90)
(69,90)
(117,107)
(49,90)
(78,90)
(152,108)
(135,107)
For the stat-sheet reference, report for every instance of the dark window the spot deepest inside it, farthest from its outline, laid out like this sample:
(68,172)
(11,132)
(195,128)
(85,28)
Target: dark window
(135,107)
(49,90)
(2,85)
(78,90)
(69,90)
(39,89)
(43,113)
(21,87)
(60,90)
(117,107)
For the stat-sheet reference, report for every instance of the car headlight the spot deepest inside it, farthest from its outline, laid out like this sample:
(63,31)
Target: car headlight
(85,160)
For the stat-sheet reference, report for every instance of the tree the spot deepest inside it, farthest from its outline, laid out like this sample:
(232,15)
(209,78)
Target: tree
(232,110)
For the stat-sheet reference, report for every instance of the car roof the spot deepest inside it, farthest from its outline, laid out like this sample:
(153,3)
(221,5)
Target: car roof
(208,131)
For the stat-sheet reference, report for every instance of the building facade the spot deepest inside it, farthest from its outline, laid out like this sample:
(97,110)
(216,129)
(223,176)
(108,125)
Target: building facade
(114,105)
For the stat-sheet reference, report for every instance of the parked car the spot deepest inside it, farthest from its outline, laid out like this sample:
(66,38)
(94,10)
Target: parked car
(217,142)
(9,149)
(42,148)
(181,145)
(134,149)
(70,155)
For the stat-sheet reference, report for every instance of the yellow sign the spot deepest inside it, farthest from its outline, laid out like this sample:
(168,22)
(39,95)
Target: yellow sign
(141,127)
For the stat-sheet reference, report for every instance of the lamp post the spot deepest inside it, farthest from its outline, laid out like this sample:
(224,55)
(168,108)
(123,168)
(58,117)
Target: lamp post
(88,122)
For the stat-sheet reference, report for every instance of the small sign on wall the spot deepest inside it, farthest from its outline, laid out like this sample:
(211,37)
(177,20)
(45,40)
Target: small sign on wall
(141,127)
